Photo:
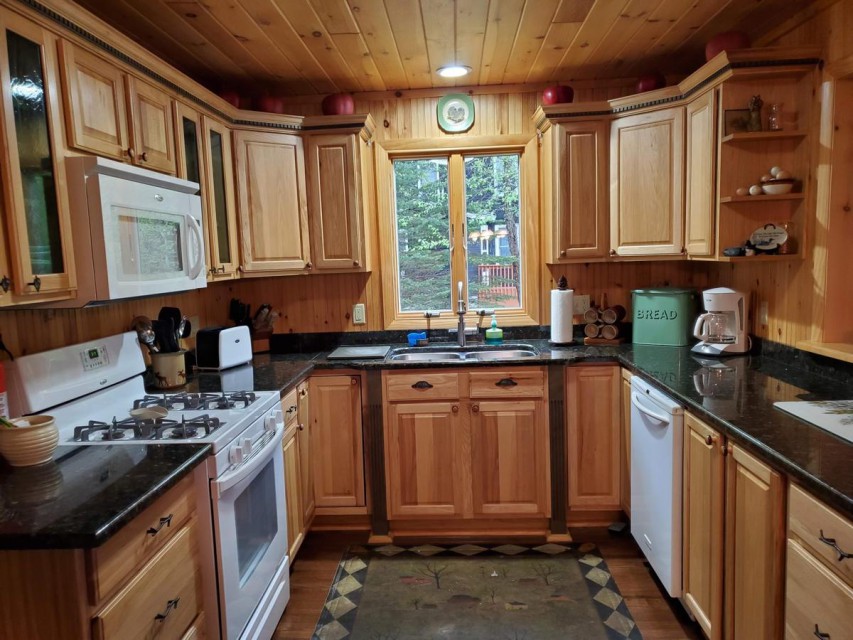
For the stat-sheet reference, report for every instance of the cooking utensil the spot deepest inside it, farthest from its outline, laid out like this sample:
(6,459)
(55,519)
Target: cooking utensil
(145,331)
(149,413)
(179,330)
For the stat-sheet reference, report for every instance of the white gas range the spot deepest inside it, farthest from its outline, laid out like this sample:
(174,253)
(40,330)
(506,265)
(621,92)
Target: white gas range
(91,390)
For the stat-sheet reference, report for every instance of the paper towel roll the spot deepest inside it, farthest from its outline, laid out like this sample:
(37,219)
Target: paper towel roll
(562,303)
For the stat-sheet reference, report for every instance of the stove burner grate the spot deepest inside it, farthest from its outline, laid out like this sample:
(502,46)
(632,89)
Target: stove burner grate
(198,401)
(136,429)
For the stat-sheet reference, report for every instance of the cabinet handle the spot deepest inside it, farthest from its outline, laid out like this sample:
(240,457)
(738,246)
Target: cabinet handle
(143,156)
(710,440)
(422,384)
(5,283)
(303,393)
(613,252)
(291,409)
(455,408)
(475,408)
(356,263)
(309,266)
(819,634)
(172,604)
(300,426)
(130,152)
(35,284)
(563,253)
(725,449)
(506,382)
(353,381)
(164,522)
(842,555)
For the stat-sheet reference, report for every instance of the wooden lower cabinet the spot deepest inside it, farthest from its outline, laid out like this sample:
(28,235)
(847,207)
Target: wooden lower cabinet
(303,442)
(298,468)
(145,582)
(733,537)
(337,457)
(625,444)
(593,413)
(475,447)
(293,492)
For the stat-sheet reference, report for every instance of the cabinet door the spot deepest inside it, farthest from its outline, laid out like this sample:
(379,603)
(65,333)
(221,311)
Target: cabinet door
(703,492)
(580,191)
(334,201)
(293,493)
(219,183)
(700,182)
(303,418)
(425,459)
(594,422)
(754,548)
(152,134)
(271,202)
(647,184)
(510,468)
(94,99)
(37,214)
(625,445)
(336,445)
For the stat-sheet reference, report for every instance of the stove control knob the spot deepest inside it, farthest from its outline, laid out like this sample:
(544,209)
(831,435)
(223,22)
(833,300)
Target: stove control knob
(279,417)
(247,446)
(270,423)
(236,455)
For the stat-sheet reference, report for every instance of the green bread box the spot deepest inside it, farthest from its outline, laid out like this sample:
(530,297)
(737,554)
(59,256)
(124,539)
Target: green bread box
(664,316)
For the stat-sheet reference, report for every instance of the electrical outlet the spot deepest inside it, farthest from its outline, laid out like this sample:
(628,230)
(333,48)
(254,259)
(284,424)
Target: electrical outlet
(762,313)
(359,314)
(580,303)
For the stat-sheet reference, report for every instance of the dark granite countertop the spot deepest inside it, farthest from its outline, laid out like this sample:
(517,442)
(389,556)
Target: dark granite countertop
(87,493)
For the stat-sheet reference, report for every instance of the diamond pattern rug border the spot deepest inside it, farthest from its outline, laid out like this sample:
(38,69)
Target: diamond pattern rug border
(617,622)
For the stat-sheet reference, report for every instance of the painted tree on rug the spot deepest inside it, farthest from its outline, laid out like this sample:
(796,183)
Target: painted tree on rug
(434,571)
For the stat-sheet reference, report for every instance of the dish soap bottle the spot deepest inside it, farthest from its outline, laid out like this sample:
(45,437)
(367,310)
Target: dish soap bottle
(494,335)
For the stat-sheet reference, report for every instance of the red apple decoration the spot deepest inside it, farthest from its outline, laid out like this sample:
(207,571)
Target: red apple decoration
(557,94)
(726,41)
(337,104)
(650,82)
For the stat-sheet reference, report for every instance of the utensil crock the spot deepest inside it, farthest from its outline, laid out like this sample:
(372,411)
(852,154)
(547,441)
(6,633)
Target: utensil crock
(32,441)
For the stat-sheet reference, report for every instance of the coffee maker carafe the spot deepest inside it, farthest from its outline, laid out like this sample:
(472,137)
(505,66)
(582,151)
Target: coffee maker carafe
(722,330)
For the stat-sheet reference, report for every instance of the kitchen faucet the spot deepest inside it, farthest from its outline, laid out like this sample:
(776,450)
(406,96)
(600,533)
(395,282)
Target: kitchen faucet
(460,311)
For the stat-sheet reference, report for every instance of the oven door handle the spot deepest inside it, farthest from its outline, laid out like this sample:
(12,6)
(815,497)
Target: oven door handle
(195,269)
(255,461)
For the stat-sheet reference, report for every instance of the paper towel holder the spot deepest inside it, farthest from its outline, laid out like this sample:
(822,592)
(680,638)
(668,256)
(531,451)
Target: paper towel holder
(560,333)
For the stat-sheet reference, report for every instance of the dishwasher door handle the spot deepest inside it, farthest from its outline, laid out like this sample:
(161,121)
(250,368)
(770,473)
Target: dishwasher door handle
(660,417)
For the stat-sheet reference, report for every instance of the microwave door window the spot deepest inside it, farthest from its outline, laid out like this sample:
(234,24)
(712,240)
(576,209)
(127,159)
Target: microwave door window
(151,244)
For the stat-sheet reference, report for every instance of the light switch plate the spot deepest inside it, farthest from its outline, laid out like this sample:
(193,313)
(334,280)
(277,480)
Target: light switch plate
(359,314)
(763,313)
(580,303)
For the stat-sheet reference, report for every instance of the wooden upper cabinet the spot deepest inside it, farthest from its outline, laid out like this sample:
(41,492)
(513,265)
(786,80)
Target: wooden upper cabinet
(111,113)
(38,248)
(647,184)
(701,176)
(574,177)
(220,199)
(509,458)
(152,133)
(335,202)
(594,427)
(271,204)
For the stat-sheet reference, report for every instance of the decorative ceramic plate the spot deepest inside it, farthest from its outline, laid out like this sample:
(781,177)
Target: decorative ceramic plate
(768,237)
(455,113)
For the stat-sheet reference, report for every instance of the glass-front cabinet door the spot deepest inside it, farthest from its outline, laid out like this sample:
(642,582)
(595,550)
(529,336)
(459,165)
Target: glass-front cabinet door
(222,217)
(35,206)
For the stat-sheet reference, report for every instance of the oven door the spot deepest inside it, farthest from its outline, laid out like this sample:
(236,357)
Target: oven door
(250,531)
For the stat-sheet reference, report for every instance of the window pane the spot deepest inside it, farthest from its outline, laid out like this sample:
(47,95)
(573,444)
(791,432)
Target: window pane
(217,156)
(193,165)
(423,234)
(492,207)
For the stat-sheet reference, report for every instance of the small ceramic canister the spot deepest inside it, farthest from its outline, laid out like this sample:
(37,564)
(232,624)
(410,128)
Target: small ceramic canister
(170,369)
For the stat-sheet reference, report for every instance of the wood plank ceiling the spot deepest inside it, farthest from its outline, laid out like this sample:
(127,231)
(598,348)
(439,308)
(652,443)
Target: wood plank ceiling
(305,47)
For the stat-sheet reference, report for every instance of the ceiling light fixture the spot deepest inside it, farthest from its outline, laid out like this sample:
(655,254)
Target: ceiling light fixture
(453,71)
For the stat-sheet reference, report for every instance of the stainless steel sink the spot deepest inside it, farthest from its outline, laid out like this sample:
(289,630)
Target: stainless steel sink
(428,356)
(503,354)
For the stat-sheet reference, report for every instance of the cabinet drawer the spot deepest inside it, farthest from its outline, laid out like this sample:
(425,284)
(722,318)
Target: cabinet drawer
(814,596)
(161,601)
(289,406)
(422,386)
(116,559)
(811,522)
(508,383)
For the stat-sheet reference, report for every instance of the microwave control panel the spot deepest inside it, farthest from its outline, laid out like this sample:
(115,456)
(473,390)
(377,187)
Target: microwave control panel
(95,357)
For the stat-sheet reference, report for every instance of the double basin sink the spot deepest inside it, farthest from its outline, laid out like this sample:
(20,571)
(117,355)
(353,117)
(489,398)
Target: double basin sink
(462,354)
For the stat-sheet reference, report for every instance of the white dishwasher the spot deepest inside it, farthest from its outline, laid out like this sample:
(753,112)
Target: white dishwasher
(657,436)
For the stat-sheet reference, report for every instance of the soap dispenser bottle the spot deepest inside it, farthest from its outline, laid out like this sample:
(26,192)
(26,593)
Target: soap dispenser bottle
(494,335)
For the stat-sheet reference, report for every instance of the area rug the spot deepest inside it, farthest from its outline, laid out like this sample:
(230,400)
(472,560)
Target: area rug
(467,592)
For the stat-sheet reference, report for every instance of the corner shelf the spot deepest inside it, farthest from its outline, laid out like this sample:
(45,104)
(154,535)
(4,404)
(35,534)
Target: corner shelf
(763,198)
(747,136)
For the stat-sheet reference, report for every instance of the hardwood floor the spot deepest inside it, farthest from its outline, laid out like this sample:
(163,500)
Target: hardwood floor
(658,617)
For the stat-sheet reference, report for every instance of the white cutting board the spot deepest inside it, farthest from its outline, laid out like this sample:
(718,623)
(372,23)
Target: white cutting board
(835,416)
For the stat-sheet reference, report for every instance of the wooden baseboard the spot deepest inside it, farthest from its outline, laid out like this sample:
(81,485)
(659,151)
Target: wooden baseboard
(357,522)
(590,518)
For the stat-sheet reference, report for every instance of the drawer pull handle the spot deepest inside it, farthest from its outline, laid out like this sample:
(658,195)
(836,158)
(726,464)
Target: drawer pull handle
(422,384)
(291,409)
(475,408)
(301,426)
(164,522)
(506,382)
(172,604)
(818,634)
(842,555)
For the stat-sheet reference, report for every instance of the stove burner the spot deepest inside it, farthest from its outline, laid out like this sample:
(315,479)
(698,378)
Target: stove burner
(159,429)
(198,401)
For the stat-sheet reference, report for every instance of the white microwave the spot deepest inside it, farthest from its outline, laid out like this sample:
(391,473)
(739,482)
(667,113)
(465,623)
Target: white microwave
(135,232)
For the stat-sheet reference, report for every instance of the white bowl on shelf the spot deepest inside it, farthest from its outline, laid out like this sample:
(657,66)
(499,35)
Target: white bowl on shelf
(777,188)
